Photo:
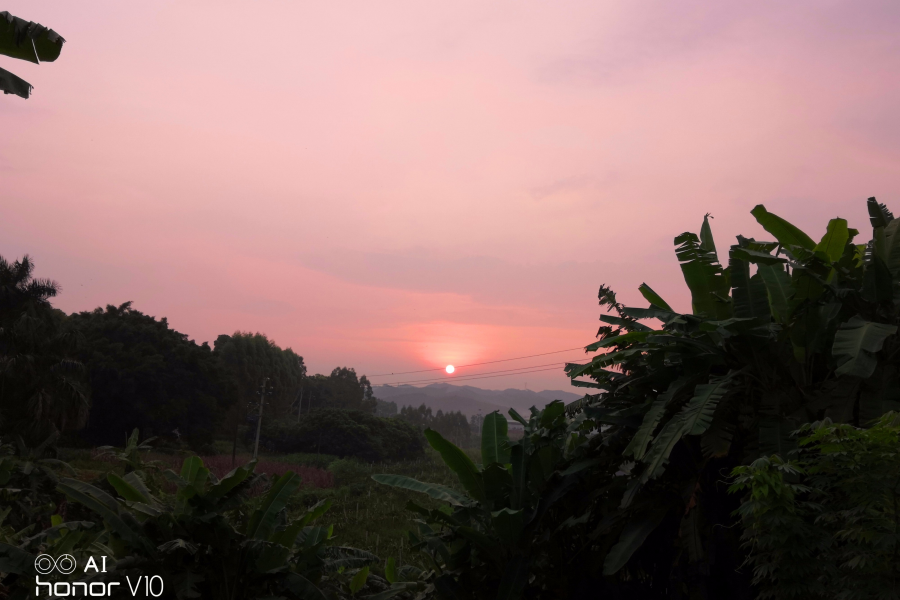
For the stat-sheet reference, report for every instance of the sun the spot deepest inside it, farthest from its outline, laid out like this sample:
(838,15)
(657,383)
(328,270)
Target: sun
(450,368)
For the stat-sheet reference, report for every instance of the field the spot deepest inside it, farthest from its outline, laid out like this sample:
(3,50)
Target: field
(365,514)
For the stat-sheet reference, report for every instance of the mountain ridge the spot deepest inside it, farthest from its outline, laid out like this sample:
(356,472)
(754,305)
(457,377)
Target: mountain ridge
(468,399)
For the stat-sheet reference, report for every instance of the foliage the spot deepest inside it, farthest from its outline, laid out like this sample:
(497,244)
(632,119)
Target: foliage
(28,479)
(623,488)
(384,408)
(452,425)
(809,335)
(251,357)
(518,526)
(145,375)
(42,386)
(344,433)
(341,389)
(206,541)
(826,524)
(29,41)
(132,455)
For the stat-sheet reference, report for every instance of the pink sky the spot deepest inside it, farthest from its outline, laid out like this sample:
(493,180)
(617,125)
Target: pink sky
(397,185)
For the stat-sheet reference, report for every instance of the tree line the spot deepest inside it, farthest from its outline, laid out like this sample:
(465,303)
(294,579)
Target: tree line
(95,376)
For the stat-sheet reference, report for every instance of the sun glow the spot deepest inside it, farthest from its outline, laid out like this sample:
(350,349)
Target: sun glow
(450,368)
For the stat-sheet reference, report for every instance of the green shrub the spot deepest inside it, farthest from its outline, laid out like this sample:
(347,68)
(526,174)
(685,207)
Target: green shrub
(208,541)
(345,433)
(826,523)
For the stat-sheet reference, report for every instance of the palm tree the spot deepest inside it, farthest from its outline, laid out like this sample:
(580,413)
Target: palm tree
(42,387)
(25,40)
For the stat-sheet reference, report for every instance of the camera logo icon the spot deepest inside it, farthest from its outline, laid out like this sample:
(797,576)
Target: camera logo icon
(46,564)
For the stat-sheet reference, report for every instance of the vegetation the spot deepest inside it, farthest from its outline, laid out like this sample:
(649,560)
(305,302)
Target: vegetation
(42,387)
(249,358)
(341,389)
(145,375)
(29,41)
(825,523)
(624,493)
(452,425)
(206,540)
(632,474)
(344,433)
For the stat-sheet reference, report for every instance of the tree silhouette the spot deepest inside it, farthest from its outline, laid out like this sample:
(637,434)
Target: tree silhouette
(42,386)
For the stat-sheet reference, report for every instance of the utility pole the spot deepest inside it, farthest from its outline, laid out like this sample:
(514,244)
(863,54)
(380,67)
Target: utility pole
(264,390)
(300,405)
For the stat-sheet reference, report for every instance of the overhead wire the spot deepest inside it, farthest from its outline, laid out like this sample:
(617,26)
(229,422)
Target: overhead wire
(473,377)
(490,362)
(482,375)
(487,373)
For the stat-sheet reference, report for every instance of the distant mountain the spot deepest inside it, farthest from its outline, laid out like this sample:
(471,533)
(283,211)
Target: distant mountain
(470,400)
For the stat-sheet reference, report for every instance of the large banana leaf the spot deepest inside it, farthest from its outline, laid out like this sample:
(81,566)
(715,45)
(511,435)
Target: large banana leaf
(637,447)
(106,506)
(709,283)
(784,232)
(459,463)
(856,343)
(438,492)
(27,40)
(652,297)
(494,440)
(694,419)
(631,538)
(835,239)
(262,523)
(779,290)
(749,292)
(878,213)
(11,84)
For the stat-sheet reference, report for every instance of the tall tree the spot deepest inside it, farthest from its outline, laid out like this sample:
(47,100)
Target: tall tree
(42,386)
(249,358)
(342,389)
(146,375)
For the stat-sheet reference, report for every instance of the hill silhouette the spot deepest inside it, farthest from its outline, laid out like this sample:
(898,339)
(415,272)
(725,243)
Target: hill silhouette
(468,399)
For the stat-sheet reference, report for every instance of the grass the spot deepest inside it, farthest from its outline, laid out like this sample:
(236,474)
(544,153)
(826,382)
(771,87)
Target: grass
(374,517)
(365,514)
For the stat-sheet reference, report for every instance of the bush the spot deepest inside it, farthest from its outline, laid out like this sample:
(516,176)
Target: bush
(345,433)
(825,524)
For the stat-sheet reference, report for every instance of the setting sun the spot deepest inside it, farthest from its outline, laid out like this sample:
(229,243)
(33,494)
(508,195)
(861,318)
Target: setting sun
(450,368)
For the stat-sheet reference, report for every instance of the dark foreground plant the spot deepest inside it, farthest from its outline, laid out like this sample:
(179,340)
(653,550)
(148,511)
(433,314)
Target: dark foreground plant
(205,541)
(826,523)
(623,492)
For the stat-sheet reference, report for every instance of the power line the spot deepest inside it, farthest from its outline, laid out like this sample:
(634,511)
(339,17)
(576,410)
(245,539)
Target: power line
(490,362)
(517,371)
(487,373)
(472,377)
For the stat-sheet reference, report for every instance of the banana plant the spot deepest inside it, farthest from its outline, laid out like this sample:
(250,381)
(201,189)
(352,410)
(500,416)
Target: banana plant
(790,331)
(132,454)
(202,540)
(508,526)
(28,478)
(29,41)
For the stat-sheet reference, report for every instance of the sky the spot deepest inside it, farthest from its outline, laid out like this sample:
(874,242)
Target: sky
(396,186)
